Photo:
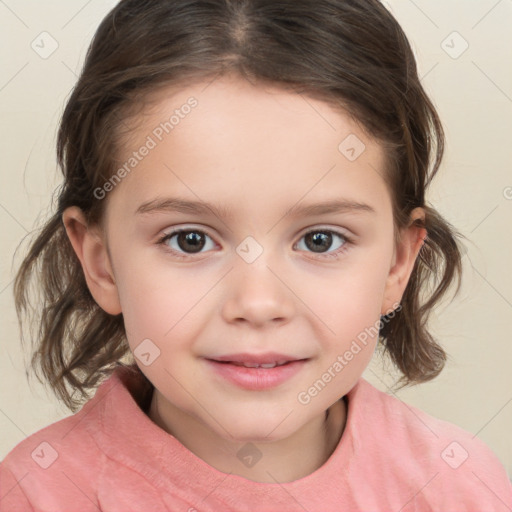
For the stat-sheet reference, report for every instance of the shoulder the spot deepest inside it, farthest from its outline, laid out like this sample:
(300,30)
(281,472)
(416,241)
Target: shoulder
(61,456)
(412,428)
(438,457)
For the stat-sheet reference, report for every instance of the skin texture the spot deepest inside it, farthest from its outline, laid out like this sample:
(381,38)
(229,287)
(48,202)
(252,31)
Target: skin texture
(258,151)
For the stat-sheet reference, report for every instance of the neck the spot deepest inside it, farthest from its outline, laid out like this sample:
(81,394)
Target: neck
(284,460)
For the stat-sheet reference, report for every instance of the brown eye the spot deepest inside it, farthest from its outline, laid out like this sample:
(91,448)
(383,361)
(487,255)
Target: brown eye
(319,241)
(185,241)
(190,241)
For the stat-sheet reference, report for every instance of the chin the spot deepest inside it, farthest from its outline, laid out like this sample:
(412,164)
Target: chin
(254,437)
(263,432)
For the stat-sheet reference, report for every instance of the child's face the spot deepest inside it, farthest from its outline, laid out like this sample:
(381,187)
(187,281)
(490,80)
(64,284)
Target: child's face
(255,284)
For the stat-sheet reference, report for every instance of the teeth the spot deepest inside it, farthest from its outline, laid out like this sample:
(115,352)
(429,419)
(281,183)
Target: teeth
(256,365)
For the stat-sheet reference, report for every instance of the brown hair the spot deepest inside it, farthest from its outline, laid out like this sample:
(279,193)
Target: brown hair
(351,53)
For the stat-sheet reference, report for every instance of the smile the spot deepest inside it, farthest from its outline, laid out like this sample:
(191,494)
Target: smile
(256,377)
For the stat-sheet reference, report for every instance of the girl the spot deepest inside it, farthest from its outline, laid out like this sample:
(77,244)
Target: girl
(242,220)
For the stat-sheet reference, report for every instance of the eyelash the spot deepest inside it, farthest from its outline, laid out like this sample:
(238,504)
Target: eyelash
(329,255)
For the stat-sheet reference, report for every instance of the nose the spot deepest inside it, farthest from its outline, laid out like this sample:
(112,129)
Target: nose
(258,294)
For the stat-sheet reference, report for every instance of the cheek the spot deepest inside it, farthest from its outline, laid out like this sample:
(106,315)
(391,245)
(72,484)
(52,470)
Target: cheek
(348,299)
(152,313)
(347,306)
(161,305)
(149,303)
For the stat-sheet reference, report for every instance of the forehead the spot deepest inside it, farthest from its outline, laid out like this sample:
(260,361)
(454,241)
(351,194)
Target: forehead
(241,143)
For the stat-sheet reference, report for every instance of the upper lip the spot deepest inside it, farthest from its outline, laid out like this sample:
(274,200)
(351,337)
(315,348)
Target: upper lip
(266,358)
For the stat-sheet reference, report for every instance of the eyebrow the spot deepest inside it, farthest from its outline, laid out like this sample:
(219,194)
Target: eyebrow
(171,204)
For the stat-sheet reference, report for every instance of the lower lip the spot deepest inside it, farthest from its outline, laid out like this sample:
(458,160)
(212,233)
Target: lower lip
(257,379)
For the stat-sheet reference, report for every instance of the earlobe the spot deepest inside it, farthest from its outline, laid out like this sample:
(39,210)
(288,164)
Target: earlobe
(92,252)
(411,242)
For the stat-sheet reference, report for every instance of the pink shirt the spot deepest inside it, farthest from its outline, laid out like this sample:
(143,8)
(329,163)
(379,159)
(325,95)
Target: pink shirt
(111,457)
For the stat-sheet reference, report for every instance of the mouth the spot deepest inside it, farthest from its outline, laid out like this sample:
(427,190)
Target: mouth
(254,376)
(257,365)
(262,360)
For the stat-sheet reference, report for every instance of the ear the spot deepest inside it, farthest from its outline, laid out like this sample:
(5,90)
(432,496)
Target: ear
(91,250)
(405,254)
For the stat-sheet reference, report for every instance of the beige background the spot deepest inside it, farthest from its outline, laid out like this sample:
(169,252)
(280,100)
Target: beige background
(473,94)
